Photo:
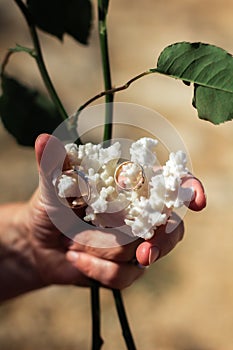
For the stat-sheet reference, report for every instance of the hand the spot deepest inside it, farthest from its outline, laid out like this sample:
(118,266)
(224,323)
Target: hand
(52,250)
(60,260)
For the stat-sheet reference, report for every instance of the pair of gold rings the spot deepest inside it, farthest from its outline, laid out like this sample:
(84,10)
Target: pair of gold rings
(128,176)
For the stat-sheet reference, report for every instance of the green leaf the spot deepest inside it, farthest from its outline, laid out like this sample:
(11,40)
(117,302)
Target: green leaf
(26,113)
(213,105)
(210,68)
(78,19)
(58,17)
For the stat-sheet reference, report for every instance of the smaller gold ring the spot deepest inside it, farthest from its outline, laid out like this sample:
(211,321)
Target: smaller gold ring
(138,182)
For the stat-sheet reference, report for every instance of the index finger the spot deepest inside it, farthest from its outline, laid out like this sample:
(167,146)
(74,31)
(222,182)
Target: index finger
(199,198)
(162,242)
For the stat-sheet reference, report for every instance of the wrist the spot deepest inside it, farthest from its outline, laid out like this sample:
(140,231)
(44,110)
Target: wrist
(18,271)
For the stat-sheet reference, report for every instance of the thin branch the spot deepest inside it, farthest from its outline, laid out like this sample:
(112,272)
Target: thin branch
(111,91)
(5,62)
(123,320)
(97,341)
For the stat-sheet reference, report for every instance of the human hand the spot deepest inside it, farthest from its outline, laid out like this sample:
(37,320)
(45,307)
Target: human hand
(147,252)
(50,246)
(62,261)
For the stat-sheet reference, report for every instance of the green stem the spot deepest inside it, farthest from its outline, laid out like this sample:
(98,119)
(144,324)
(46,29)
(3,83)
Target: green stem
(97,341)
(4,62)
(123,320)
(103,37)
(95,299)
(40,61)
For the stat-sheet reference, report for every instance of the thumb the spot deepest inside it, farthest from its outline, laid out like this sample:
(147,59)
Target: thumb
(51,159)
(50,154)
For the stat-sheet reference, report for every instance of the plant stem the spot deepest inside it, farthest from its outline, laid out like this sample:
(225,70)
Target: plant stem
(97,341)
(123,320)
(113,90)
(40,61)
(5,61)
(103,37)
(109,98)
(102,13)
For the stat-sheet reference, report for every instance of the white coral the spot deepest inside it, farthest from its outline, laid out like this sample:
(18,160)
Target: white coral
(72,153)
(143,151)
(144,209)
(144,218)
(67,187)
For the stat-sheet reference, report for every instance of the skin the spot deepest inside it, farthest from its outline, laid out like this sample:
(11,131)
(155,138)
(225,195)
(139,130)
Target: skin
(35,254)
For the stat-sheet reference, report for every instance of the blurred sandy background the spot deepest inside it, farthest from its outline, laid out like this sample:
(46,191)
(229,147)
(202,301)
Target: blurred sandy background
(185,301)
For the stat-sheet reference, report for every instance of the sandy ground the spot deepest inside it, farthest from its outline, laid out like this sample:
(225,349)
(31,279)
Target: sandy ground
(185,301)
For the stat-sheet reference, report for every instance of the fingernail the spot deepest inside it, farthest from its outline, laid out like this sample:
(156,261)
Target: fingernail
(153,255)
(72,255)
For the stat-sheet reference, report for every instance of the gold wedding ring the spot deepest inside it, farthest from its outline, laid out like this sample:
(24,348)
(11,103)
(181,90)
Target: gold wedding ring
(129,176)
(81,188)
